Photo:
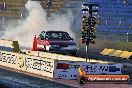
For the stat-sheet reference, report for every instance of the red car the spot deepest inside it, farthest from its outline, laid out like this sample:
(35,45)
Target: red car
(56,41)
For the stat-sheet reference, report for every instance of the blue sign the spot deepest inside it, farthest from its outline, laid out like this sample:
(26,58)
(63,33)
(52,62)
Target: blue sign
(113,69)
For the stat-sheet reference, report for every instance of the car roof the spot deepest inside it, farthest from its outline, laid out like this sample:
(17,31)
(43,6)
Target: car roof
(55,31)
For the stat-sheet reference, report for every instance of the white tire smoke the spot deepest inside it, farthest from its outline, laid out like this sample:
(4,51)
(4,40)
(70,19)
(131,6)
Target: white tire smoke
(36,22)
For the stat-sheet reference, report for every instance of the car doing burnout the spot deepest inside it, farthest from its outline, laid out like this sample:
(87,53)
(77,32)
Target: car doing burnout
(56,41)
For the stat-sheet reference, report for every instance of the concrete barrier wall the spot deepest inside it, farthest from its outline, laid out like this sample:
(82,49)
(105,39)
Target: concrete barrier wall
(54,68)
(52,55)
(57,56)
(9,45)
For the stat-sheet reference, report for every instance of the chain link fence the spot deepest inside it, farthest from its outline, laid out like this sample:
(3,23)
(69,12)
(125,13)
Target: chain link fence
(117,37)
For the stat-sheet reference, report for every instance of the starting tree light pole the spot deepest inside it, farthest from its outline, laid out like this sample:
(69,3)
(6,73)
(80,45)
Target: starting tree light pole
(88,8)
(48,5)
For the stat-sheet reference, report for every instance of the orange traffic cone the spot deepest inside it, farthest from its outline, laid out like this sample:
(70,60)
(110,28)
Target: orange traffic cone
(34,48)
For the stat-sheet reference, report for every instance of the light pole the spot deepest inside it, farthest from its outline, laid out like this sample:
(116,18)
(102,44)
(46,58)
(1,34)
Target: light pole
(119,31)
(106,30)
(20,20)
(49,4)
(127,36)
(4,7)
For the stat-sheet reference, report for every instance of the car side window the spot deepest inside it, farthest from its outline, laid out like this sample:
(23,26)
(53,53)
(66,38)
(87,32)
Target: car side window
(42,35)
(48,35)
(60,36)
(66,36)
(55,35)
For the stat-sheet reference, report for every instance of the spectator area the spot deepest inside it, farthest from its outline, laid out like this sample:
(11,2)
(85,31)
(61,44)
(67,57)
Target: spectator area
(16,8)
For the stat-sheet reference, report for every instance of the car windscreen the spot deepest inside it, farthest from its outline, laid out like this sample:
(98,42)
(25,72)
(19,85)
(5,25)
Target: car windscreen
(58,35)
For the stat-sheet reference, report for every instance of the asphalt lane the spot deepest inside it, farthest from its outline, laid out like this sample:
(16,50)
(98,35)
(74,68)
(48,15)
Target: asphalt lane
(11,79)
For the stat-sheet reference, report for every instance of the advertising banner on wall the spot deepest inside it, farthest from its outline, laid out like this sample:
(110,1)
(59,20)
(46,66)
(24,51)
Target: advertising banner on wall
(68,70)
(32,64)
(122,79)
(9,59)
(55,68)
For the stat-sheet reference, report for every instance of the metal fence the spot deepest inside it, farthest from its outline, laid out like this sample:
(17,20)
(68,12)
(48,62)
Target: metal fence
(117,37)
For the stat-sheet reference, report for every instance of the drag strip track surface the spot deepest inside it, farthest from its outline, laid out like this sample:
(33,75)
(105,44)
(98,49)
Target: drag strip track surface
(10,79)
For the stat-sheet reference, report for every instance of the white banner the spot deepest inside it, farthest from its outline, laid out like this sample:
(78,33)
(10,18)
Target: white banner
(8,59)
(68,70)
(47,67)
(32,64)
